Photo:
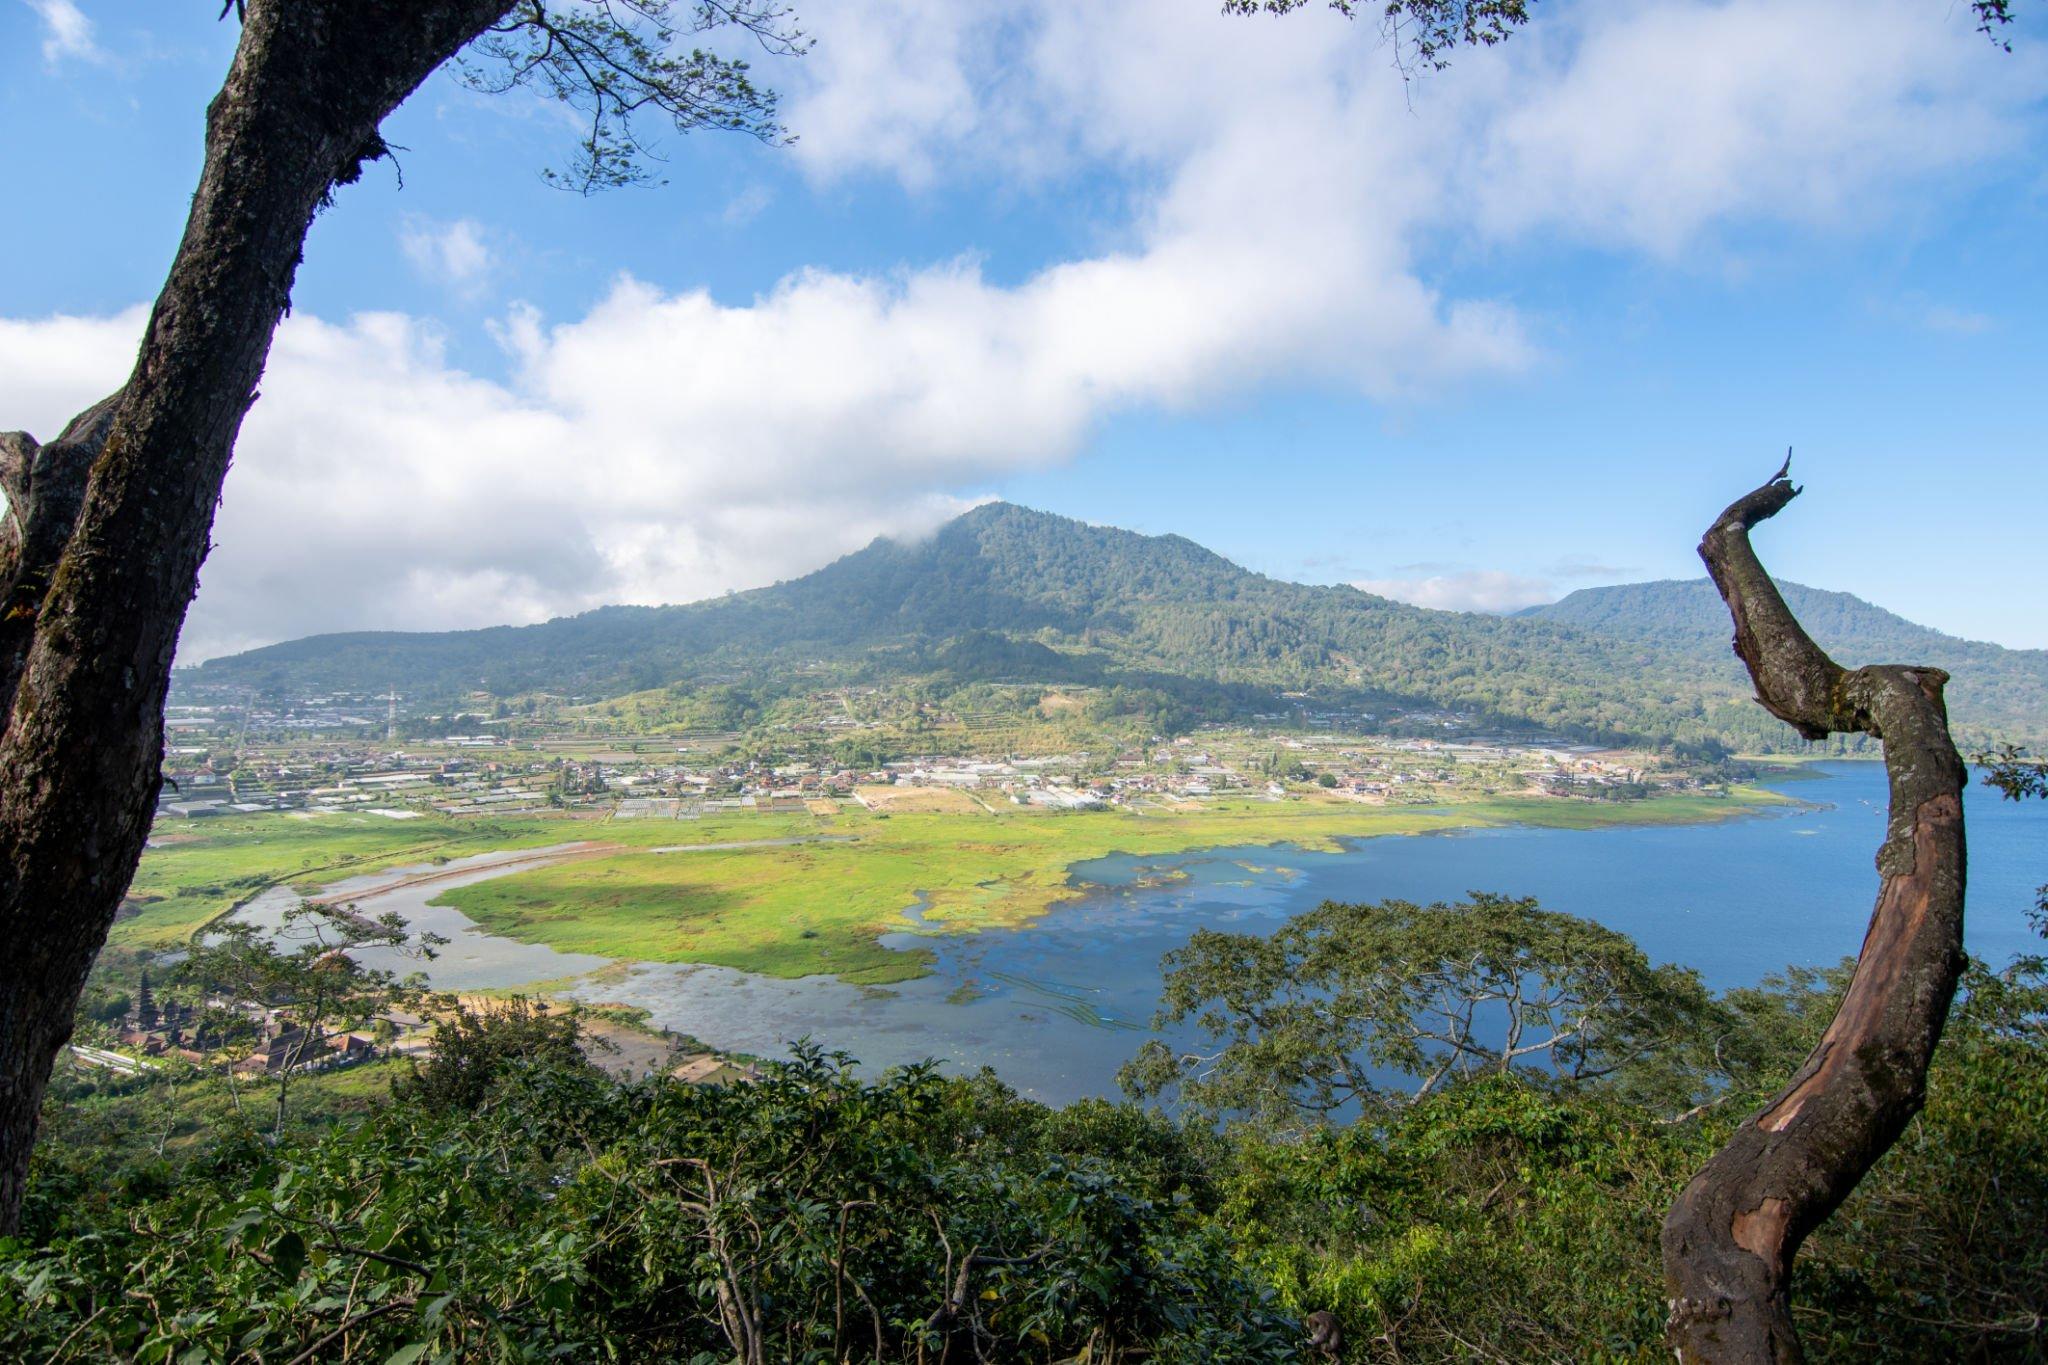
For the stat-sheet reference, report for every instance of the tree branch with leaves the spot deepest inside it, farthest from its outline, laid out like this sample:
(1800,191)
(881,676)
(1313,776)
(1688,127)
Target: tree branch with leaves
(308,976)
(616,63)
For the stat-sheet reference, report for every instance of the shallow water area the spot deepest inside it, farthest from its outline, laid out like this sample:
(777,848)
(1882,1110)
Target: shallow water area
(472,959)
(1057,1005)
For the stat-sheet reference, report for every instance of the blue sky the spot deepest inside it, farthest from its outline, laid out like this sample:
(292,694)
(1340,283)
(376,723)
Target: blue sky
(1517,329)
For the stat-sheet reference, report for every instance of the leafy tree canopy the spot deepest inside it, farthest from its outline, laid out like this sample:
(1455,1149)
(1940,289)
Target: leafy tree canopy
(1349,1005)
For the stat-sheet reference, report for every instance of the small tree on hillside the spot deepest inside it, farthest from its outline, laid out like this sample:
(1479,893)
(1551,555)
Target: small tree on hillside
(475,1048)
(308,976)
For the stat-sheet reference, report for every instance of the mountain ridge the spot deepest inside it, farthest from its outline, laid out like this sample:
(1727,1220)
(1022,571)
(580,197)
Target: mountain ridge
(1698,612)
(1988,682)
(1004,591)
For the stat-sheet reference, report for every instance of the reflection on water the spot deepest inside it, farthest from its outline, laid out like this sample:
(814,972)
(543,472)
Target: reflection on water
(1055,1007)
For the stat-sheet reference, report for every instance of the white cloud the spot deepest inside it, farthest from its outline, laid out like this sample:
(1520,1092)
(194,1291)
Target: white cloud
(453,255)
(890,84)
(747,205)
(1673,117)
(1282,198)
(1956,321)
(1488,590)
(665,447)
(1636,127)
(52,367)
(375,485)
(67,32)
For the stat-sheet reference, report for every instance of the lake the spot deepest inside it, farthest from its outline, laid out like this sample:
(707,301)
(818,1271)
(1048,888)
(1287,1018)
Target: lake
(1058,1005)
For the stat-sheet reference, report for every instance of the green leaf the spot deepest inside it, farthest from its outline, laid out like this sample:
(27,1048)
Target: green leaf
(288,1254)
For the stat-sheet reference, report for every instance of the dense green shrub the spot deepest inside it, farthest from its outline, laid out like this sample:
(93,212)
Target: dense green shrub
(512,1202)
(1493,1220)
(799,1218)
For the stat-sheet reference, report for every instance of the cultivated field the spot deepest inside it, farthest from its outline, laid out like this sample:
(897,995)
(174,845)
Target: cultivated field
(918,801)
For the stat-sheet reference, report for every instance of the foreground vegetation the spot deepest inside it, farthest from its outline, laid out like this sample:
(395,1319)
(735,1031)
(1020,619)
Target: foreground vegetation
(512,1203)
(1331,1190)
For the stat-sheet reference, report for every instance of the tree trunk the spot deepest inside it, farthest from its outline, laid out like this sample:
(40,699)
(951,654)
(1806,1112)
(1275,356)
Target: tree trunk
(89,651)
(1730,1239)
(45,487)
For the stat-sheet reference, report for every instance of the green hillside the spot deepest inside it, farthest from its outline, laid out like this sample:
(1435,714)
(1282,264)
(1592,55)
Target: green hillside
(1008,594)
(1993,688)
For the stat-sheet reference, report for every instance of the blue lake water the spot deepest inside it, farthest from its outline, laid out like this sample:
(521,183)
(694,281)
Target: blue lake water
(1056,1006)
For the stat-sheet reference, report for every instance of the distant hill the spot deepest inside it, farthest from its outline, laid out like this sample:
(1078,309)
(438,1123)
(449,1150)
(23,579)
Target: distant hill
(1004,593)
(1992,687)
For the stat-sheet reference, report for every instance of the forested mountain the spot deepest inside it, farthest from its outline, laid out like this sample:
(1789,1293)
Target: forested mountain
(1991,687)
(1007,593)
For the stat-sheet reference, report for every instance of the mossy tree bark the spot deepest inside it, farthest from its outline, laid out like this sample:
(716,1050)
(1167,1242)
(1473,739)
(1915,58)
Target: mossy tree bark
(101,556)
(1730,1240)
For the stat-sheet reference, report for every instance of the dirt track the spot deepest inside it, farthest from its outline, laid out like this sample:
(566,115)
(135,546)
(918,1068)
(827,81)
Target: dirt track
(488,863)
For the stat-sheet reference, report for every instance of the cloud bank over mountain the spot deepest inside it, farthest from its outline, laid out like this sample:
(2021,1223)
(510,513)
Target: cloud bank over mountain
(1489,590)
(1281,198)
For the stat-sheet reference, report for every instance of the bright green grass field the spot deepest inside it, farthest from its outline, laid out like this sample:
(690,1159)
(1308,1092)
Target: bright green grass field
(819,907)
(195,870)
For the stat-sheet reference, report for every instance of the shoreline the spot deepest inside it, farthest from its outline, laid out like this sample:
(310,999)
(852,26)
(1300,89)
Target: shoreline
(766,917)
(816,895)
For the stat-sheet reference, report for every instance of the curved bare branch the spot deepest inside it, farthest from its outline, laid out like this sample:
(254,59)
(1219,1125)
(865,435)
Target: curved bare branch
(1730,1239)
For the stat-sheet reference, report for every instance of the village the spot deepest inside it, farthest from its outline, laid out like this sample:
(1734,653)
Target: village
(246,1037)
(245,1040)
(459,775)
(335,754)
